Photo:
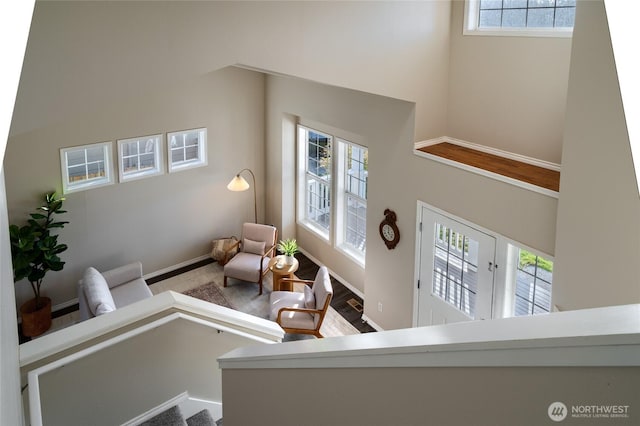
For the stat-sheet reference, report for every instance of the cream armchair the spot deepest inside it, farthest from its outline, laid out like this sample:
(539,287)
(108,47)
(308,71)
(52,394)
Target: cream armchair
(257,246)
(303,313)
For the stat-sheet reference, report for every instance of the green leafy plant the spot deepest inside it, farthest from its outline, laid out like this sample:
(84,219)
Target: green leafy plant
(34,249)
(288,247)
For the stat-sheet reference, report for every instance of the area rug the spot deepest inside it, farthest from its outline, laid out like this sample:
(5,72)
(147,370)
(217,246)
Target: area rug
(210,293)
(242,296)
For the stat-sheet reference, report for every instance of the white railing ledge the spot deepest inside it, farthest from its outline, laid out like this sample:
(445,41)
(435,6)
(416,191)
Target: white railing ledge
(163,303)
(592,337)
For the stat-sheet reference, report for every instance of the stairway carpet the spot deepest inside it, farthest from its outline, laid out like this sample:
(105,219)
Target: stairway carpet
(201,418)
(170,417)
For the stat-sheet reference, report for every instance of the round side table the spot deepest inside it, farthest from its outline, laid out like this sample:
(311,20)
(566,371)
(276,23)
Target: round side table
(286,271)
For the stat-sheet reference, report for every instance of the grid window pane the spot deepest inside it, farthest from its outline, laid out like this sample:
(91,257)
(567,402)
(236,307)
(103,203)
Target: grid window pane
(490,19)
(515,4)
(526,14)
(490,4)
(540,18)
(318,202)
(75,157)
(455,269)
(565,18)
(534,277)
(514,18)
(356,223)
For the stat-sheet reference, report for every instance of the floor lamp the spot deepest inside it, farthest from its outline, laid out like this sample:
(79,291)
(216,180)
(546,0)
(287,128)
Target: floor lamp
(238,183)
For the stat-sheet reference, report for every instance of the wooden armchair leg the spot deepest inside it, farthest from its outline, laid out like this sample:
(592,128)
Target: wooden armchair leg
(225,280)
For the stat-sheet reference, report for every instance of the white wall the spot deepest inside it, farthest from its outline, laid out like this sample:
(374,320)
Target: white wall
(97,71)
(11,408)
(143,372)
(508,92)
(397,180)
(598,237)
(162,220)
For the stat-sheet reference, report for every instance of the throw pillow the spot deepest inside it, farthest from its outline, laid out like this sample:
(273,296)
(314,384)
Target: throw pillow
(255,247)
(97,291)
(221,250)
(309,298)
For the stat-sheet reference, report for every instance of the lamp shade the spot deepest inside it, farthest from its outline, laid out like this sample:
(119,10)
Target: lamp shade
(238,183)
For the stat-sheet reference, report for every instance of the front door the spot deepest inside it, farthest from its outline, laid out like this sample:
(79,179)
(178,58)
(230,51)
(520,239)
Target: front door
(456,271)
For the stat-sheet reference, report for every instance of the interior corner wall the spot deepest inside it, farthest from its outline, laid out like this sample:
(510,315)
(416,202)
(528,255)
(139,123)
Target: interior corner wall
(11,412)
(508,93)
(598,228)
(397,180)
(162,220)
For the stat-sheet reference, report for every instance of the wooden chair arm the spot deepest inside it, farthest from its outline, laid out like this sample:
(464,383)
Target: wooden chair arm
(297,280)
(309,311)
(271,249)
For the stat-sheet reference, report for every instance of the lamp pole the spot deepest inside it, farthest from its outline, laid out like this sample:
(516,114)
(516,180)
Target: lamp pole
(255,196)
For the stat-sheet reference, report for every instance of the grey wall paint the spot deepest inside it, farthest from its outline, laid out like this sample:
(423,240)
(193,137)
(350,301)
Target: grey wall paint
(397,180)
(162,220)
(426,396)
(598,239)
(508,92)
(99,71)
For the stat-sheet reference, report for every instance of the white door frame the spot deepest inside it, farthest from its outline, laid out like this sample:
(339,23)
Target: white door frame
(501,249)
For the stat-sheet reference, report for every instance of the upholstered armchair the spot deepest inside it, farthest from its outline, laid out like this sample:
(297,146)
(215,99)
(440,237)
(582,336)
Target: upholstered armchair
(303,313)
(256,247)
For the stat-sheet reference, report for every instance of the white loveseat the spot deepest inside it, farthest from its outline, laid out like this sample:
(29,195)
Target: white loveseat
(103,292)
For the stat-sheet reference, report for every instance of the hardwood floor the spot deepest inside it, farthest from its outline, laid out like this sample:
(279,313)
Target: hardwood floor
(539,176)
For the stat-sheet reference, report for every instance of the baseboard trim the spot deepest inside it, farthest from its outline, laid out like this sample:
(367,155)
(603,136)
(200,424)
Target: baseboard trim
(336,276)
(170,269)
(371,323)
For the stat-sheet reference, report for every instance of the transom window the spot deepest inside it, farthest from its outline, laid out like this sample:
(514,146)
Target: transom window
(520,17)
(187,149)
(534,277)
(86,166)
(140,157)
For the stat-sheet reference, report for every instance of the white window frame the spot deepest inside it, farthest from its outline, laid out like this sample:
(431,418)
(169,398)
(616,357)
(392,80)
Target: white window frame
(511,270)
(157,169)
(68,186)
(199,161)
(506,263)
(471,17)
(303,178)
(342,204)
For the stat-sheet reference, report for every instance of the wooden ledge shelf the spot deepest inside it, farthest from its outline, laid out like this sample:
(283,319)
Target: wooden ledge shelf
(512,169)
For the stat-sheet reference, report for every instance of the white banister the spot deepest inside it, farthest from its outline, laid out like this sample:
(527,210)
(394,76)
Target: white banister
(165,302)
(592,337)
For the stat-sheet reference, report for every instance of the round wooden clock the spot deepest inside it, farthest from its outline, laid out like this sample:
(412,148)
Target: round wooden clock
(389,230)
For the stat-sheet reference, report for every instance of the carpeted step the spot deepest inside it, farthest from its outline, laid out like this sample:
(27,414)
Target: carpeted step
(170,417)
(201,418)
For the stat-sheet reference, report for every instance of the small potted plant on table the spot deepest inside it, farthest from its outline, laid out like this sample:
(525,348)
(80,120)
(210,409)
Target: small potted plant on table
(34,251)
(289,248)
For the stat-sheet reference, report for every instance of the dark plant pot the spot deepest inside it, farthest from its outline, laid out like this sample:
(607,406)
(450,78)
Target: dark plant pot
(35,321)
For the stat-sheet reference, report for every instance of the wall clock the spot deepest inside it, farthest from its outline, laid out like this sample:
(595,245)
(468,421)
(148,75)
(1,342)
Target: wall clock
(389,230)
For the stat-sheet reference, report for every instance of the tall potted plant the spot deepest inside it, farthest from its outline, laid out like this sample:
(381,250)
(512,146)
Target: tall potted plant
(34,251)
